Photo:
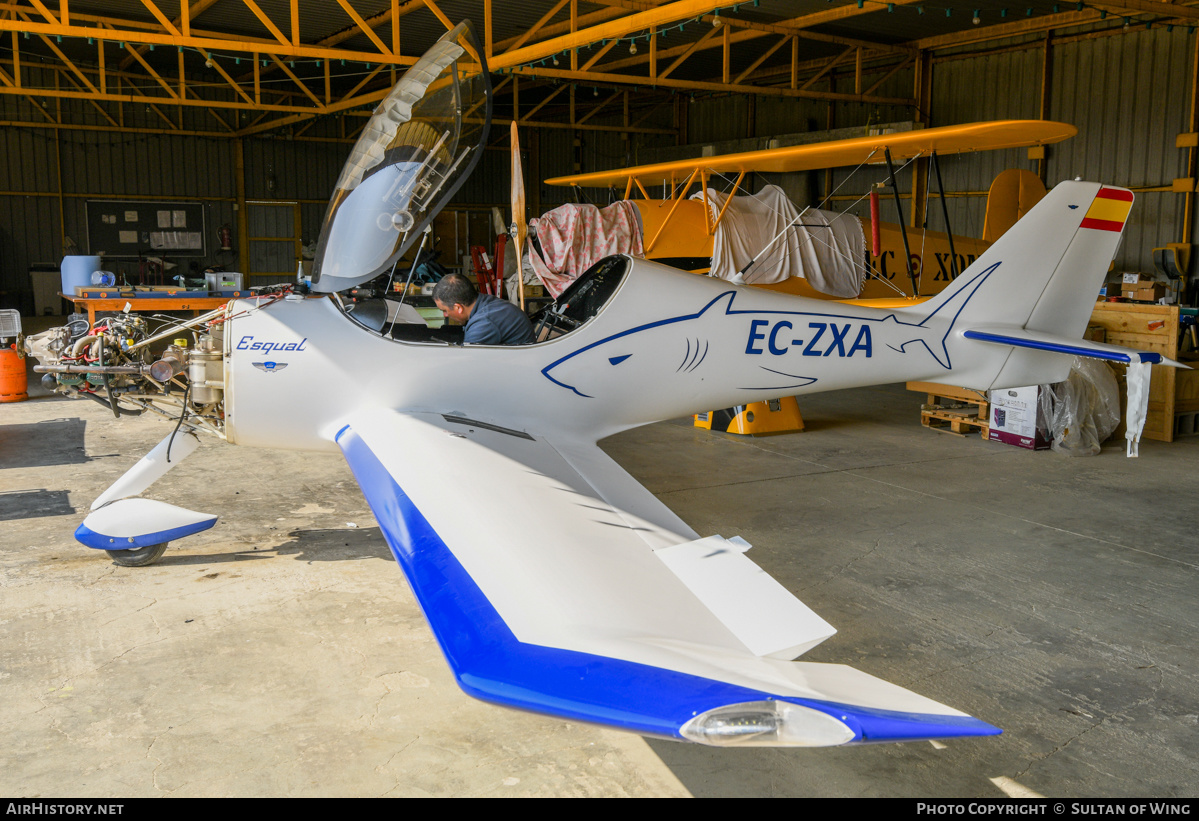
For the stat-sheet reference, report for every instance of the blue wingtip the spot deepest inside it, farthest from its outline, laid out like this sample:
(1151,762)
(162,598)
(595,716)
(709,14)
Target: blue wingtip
(876,727)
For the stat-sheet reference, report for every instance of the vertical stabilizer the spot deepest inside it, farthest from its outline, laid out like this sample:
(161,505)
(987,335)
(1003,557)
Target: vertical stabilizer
(1042,275)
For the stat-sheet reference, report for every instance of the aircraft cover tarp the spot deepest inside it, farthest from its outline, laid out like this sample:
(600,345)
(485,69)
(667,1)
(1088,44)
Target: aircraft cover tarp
(575,237)
(826,248)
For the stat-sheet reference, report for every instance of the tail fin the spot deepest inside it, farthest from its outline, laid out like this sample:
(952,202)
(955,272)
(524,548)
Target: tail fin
(1042,275)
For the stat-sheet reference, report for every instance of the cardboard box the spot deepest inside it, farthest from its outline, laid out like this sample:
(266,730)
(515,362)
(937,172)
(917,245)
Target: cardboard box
(224,281)
(1151,293)
(1016,418)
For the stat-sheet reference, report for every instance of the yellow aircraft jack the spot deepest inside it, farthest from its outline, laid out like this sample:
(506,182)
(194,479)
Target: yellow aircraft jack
(755,419)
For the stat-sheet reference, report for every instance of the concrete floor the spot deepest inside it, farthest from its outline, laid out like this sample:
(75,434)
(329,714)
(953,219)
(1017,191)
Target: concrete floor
(281,653)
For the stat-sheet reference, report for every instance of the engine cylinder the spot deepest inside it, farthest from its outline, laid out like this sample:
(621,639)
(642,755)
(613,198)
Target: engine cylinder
(203,369)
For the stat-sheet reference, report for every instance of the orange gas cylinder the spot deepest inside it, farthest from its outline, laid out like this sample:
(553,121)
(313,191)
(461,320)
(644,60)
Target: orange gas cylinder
(13,382)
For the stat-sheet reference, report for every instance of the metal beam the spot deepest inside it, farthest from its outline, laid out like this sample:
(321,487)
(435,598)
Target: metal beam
(125,31)
(630,24)
(592,78)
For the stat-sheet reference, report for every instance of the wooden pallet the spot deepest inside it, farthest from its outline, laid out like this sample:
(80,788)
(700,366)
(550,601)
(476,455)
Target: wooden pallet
(955,410)
(960,421)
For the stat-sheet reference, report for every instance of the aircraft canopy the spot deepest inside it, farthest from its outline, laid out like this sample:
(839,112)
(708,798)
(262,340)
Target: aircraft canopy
(419,146)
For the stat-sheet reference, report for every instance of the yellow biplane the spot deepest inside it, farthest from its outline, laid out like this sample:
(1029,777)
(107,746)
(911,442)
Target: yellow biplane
(681,230)
(898,265)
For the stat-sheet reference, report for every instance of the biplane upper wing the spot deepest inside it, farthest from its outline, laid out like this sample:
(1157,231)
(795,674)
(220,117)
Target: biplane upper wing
(589,599)
(951,139)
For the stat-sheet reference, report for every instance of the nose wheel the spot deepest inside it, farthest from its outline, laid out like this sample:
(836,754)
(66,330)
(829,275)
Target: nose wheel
(138,556)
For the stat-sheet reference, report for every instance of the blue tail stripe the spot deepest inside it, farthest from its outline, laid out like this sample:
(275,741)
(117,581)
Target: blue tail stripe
(491,664)
(1061,347)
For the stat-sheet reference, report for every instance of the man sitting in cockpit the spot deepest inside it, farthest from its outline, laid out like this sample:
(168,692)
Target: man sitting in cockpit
(488,320)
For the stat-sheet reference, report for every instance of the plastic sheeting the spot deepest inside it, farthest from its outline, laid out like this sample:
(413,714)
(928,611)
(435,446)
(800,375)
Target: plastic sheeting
(826,248)
(574,237)
(1085,409)
(1137,376)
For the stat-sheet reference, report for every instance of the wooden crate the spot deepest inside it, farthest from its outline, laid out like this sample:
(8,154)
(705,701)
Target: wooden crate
(1146,328)
(1186,400)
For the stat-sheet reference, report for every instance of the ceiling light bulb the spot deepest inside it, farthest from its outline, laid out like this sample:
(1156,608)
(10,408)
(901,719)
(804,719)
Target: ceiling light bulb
(633,48)
(716,21)
(976,19)
(555,59)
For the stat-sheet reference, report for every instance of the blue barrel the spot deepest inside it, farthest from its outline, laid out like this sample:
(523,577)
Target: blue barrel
(77,271)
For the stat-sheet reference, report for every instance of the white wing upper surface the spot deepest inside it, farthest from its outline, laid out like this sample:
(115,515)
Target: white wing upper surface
(556,583)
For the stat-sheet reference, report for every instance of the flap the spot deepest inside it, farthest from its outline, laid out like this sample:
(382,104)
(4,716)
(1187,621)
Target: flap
(757,609)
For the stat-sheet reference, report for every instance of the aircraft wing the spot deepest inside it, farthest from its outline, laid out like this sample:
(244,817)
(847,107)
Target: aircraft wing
(555,583)
(950,139)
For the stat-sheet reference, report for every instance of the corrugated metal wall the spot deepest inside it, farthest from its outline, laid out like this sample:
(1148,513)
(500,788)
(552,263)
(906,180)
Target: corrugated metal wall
(1129,97)
(1128,94)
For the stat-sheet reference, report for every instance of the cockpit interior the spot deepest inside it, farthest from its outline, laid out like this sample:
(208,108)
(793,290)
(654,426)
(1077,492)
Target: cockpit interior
(375,307)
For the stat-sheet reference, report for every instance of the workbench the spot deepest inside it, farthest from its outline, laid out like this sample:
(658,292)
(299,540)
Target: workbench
(196,305)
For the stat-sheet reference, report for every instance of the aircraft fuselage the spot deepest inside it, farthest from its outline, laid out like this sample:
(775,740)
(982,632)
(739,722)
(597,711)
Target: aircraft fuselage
(666,344)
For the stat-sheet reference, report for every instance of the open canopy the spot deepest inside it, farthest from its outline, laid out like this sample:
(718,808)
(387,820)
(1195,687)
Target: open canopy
(419,146)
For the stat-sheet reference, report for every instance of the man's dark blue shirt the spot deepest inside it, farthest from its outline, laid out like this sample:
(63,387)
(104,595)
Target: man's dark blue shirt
(495,321)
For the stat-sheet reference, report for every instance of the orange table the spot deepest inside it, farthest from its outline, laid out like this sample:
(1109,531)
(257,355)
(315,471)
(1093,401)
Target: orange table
(195,304)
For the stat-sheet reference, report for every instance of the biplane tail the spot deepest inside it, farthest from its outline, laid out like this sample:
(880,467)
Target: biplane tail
(1033,291)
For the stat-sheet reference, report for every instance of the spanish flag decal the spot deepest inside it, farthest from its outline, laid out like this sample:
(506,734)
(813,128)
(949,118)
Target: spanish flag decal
(1109,210)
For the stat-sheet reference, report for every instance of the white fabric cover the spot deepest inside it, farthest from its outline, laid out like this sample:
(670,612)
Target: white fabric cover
(831,258)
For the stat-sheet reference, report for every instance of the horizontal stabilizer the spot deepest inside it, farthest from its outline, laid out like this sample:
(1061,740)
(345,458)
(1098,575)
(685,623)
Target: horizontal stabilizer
(129,523)
(1041,341)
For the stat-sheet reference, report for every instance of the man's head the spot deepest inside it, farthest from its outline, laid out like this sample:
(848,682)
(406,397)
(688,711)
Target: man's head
(455,296)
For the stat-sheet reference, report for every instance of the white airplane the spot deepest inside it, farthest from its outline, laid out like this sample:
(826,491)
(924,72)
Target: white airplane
(604,606)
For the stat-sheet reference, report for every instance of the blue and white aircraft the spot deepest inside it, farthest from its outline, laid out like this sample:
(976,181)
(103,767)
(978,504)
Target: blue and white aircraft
(604,607)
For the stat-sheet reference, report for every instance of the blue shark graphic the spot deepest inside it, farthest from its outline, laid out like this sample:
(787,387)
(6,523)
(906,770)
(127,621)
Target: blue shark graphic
(705,341)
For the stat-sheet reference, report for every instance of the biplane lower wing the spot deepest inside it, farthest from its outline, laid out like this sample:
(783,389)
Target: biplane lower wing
(564,587)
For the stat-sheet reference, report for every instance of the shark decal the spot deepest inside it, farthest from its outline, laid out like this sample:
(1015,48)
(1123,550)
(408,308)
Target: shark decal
(768,350)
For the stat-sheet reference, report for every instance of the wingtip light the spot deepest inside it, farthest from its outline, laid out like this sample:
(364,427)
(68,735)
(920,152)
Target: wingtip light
(766,724)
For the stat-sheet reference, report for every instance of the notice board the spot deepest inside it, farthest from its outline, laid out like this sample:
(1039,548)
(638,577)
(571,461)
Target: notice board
(159,228)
